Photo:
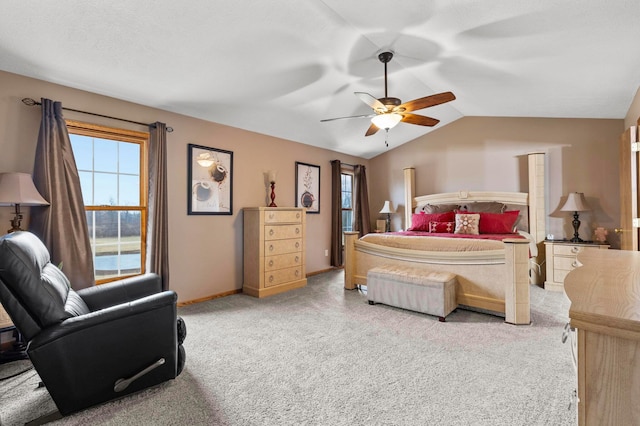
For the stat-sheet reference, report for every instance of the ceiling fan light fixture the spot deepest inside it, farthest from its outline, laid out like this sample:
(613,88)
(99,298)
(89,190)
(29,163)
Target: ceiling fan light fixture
(386,121)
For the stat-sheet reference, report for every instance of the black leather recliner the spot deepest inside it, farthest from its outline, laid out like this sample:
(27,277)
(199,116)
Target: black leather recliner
(95,344)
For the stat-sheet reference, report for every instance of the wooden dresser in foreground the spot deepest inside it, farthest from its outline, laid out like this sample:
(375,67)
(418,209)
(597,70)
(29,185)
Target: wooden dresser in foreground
(274,250)
(605,311)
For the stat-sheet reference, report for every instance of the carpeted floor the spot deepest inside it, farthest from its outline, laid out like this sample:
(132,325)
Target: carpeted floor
(322,356)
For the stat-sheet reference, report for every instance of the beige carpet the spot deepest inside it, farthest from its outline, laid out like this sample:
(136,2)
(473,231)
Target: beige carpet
(322,356)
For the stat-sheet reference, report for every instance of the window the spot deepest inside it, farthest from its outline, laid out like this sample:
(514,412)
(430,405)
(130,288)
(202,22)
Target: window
(112,168)
(347,201)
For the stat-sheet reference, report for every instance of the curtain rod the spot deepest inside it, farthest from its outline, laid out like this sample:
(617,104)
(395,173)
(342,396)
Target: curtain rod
(32,102)
(343,164)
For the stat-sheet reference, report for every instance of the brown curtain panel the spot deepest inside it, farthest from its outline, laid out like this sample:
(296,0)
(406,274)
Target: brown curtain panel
(362,219)
(62,226)
(157,219)
(336,213)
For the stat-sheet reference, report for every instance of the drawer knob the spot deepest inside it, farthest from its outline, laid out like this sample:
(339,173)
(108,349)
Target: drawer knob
(270,232)
(271,247)
(297,244)
(298,215)
(575,249)
(271,263)
(297,231)
(270,278)
(297,259)
(575,264)
(297,272)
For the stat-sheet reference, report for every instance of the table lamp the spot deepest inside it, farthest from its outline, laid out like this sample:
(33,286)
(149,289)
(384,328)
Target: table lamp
(387,209)
(575,203)
(17,189)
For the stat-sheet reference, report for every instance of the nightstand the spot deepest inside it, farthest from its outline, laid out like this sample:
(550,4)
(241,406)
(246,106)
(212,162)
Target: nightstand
(561,259)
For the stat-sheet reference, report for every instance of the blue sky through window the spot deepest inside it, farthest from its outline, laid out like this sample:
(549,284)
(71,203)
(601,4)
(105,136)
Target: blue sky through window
(109,170)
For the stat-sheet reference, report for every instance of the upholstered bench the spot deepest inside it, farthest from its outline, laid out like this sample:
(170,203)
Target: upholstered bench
(419,290)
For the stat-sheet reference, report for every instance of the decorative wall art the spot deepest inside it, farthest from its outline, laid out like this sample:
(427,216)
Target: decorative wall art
(308,187)
(210,181)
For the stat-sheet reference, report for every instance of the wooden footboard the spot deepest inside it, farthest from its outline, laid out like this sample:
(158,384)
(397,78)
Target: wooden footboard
(494,280)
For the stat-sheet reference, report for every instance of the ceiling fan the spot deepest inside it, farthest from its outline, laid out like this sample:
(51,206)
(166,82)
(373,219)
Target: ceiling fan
(390,111)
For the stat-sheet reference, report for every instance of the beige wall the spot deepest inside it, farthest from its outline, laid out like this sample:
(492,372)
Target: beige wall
(206,251)
(489,153)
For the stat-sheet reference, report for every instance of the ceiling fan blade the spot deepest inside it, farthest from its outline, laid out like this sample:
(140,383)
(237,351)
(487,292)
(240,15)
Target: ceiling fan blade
(425,102)
(371,130)
(420,120)
(371,101)
(351,116)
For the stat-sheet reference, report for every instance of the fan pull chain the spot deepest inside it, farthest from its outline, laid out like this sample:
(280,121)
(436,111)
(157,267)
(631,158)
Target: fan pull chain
(386,138)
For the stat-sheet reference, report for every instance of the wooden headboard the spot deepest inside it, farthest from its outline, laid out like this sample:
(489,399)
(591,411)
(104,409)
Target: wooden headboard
(513,200)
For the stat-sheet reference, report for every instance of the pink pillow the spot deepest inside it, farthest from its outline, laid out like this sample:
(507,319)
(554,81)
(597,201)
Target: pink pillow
(442,227)
(498,223)
(420,221)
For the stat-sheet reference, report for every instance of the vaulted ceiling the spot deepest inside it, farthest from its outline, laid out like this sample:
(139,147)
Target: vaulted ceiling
(278,67)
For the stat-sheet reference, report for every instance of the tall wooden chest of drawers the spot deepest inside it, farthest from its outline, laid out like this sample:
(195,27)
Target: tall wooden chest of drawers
(274,250)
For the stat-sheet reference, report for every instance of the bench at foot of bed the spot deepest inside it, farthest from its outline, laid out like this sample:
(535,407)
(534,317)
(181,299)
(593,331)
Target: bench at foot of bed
(419,290)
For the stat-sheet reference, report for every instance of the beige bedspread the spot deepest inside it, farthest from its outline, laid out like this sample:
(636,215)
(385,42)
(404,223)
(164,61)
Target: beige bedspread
(432,243)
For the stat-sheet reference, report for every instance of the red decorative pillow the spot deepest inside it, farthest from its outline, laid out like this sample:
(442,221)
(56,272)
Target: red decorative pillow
(442,227)
(420,221)
(498,223)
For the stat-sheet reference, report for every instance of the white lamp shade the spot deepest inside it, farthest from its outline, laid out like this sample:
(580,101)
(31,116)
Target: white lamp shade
(18,188)
(272,174)
(387,208)
(575,203)
(386,120)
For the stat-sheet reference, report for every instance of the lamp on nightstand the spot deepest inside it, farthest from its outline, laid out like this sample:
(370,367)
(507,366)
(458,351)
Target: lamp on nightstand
(575,203)
(387,209)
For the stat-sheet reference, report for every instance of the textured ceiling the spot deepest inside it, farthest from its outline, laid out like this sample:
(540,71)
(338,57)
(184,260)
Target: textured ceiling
(278,67)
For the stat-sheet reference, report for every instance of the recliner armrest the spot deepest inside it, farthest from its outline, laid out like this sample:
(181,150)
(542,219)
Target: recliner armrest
(122,291)
(107,318)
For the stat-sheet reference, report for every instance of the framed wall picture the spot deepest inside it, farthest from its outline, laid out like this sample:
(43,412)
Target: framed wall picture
(308,187)
(210,180)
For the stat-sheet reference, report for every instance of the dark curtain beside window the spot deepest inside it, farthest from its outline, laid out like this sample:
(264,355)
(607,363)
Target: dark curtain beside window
(62,226)
(336,213)
(362,218)
(157,217)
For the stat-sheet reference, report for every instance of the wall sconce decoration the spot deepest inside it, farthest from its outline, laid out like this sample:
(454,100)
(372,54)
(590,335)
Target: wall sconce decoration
(575,203)
(17,189)
(387,209)
(272,181)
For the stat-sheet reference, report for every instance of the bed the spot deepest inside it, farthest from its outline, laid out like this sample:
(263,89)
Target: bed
(492,275)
